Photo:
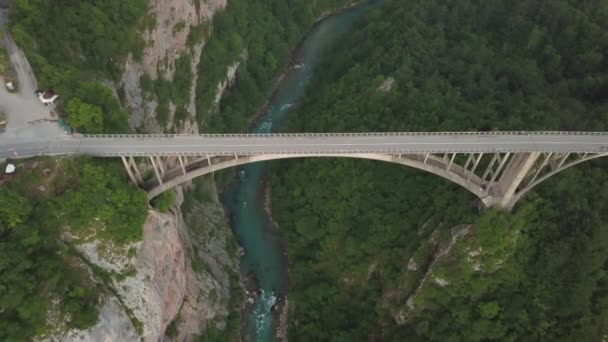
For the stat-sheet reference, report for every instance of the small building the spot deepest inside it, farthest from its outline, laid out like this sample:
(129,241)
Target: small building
(47,97)
(10,86)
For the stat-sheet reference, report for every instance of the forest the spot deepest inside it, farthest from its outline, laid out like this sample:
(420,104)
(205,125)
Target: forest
(45,283)
(362,234)
(260,35)
(42,274)
(351,226)
(72,46)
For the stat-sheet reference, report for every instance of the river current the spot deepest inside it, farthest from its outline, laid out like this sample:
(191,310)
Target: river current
(263,251)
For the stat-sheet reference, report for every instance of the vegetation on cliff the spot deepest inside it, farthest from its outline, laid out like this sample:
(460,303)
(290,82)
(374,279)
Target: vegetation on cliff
(362,235)
(40,273)
(260,35)
(73,45)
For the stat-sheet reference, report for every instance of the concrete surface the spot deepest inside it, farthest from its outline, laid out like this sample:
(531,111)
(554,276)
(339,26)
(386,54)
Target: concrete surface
(305,144)
(26,116)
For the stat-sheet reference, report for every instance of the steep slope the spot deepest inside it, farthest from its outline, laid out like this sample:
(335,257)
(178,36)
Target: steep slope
(175,34)
(379,252)
(165,280)
(176,281)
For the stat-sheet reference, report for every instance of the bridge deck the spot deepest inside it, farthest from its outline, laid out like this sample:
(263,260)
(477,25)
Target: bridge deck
(308,144)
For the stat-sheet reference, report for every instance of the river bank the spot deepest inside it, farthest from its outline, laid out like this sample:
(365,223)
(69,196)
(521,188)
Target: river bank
(296,60)
(264,263)
(253,290)
(281,308)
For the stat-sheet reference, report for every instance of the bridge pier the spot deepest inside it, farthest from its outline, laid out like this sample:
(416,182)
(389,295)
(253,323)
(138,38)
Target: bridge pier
(475,164)
(181,164)
(503,192)
(161,166)
(156,171)
(132,170)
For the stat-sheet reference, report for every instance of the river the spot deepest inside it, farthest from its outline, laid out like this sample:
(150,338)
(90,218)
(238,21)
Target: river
(245,198)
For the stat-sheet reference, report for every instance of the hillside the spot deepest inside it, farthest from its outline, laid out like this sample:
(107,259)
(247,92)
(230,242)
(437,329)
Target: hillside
(381,252)
(146,66)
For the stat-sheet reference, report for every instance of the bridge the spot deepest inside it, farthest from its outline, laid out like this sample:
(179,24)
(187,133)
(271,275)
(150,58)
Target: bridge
(497,167)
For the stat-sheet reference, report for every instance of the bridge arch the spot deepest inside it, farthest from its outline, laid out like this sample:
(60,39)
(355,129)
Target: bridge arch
(506,179)
(541,177)
(433,164)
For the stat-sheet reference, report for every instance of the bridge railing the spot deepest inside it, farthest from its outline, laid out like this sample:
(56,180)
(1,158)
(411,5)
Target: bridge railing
(379,134)
(330,153)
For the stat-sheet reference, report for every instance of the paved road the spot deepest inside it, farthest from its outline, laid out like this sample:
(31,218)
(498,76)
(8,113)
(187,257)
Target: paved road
(304,144)
(27,116)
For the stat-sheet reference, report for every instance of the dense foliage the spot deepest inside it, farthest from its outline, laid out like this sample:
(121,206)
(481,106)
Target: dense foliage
(552,288)
(38,267)
(164,201)
(260,35)
(71,44)
(352,225)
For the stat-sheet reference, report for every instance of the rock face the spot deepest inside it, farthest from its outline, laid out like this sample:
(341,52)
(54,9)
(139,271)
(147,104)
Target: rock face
(113,325)
(176,282)
(156,291)
(213,248)
(230,76)
(165,43)
(155,281)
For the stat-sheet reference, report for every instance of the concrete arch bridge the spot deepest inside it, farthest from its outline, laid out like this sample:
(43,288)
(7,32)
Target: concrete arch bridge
(496,174)
(497,167)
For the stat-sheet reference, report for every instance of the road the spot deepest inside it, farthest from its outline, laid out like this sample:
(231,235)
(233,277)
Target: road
(306,144)
(26,115)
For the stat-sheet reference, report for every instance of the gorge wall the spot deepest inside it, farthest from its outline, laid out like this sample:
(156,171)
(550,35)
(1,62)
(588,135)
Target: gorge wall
(178,281)
(175,282)
(166,40)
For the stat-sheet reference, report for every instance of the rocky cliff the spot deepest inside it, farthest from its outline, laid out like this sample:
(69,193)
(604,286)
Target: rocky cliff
(166,41)
(182,278)
(175,282)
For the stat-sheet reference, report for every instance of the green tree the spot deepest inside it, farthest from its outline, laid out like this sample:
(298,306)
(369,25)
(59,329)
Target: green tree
(84,116)
(14,209)
(536,274)
(164,201)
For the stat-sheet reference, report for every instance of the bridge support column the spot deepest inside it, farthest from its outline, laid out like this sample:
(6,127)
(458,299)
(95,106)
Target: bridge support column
(475,164)
(451,162)
(161,165)
(136,169)
(545,162)
(469,159)
(502,161)
(156,172)
(514,174)
(127,165)
(489,169)
(563,160)
(181,164)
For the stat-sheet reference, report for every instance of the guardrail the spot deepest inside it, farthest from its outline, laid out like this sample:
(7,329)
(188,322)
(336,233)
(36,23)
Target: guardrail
(331,153)
(379,134)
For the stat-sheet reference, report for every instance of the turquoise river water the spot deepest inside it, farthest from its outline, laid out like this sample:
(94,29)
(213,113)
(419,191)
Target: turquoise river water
(245,199)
